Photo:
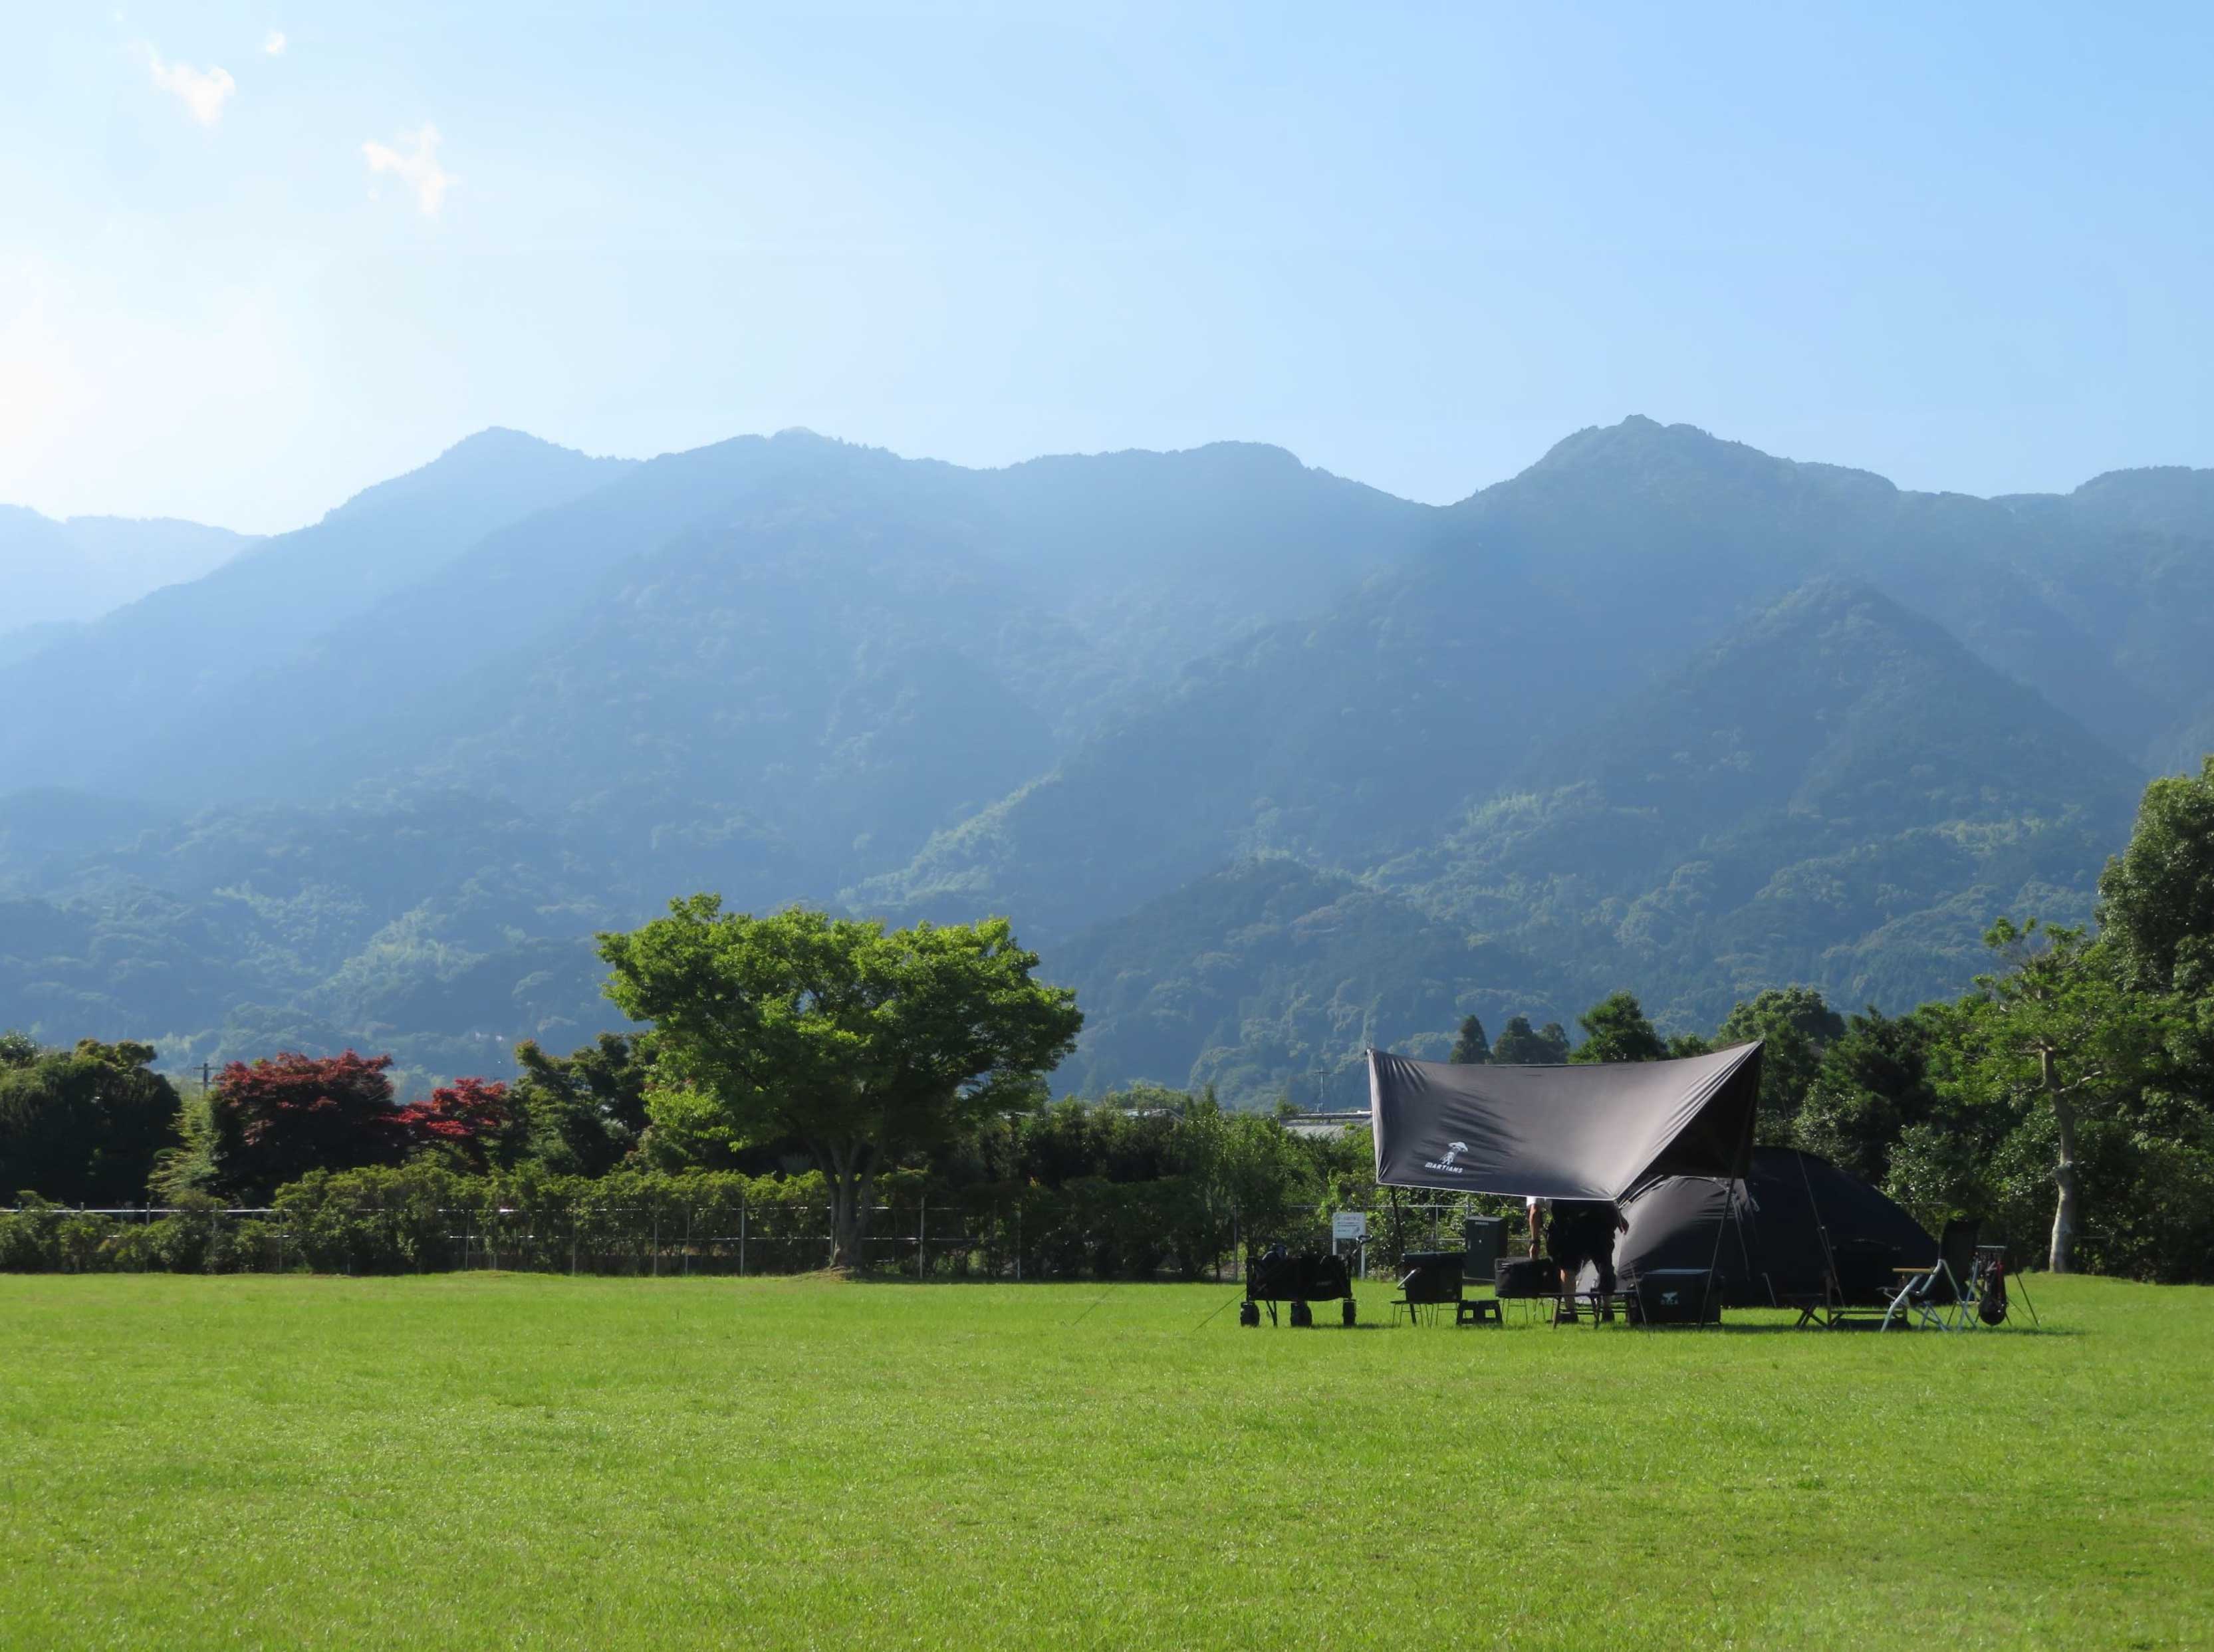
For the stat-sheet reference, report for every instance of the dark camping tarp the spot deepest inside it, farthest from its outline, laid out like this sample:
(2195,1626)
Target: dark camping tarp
(1595,1132)
(1772,1227)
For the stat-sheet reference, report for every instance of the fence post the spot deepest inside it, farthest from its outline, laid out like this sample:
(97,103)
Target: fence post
(830,1239)
(572,1241)
(741,1236)
(685,1266)
(921,1238)
(1019,1241)
(657,1242)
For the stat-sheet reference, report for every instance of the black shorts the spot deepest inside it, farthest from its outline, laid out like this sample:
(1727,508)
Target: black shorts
(1572,1258)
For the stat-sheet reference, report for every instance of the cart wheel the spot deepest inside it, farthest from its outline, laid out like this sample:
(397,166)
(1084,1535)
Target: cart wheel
(1347,1315)
(1249,1312)
(1302,1315)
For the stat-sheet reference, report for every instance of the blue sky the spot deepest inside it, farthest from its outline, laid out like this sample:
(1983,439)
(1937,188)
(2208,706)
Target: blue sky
(1966,247)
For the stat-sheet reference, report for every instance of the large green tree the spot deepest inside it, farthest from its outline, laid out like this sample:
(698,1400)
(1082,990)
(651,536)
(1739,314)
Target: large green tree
(1471,1047)
(583,1113)
(857,1042)
(1616,1029)
(1522,1045)
(1873,1084)
(2055,1030)
(82,1126)
(2157,897)
(1794,1027)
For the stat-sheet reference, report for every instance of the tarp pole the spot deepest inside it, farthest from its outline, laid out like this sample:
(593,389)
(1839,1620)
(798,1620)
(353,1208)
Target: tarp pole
(1821,1231)
(1742,1189)
(1398,1229)
(1707,1291)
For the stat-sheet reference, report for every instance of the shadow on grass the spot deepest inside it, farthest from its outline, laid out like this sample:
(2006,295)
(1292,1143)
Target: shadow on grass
(1327,1321)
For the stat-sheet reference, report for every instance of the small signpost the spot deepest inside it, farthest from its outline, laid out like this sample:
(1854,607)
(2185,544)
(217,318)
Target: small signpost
(1350,1225)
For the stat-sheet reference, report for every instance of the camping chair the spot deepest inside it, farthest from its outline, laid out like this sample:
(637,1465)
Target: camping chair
(1527,1280)
(1941,1297)
(1431,1282)
(1861,1277)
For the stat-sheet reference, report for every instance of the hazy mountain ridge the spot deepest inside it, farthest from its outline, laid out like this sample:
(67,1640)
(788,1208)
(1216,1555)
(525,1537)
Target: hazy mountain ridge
(1617,517)
(58,573)
(119,704)
(1661,712)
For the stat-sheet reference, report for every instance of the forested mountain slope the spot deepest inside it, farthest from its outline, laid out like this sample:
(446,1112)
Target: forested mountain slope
(1269,978)
(1350,737)
(765,704)
(121,704)
(1837,793)
(1662,712)
(1543,600)
(437,924)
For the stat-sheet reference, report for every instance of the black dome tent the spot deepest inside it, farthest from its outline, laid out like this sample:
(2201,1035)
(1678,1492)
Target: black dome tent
(1669,1141)
(1601,1131)
(1783,1227)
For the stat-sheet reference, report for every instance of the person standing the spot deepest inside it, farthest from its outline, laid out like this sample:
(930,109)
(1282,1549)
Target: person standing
(1582,1231)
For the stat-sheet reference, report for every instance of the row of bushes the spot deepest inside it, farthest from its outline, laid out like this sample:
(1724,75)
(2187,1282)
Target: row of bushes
(424,1218)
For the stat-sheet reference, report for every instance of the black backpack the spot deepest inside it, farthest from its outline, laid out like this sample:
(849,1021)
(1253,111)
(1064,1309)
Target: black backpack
(1990,1295)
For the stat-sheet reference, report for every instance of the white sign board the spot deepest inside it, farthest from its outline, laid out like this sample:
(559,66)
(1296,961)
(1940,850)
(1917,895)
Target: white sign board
(1349,1225)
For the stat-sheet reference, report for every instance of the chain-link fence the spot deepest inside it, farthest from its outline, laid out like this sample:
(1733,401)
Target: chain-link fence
(650,1241)
(403,1222)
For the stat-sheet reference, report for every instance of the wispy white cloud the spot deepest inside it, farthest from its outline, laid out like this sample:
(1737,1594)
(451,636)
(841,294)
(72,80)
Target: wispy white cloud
(418,167)
(202,91)
(274,45)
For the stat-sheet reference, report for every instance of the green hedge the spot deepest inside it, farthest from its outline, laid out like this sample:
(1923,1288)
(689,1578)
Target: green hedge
(422,1218)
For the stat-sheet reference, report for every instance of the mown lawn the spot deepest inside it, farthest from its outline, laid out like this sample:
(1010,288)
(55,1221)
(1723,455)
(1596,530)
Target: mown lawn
(489,1460)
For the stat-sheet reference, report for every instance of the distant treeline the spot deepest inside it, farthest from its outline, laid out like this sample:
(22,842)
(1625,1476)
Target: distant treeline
(1149,1184)
(801,1061)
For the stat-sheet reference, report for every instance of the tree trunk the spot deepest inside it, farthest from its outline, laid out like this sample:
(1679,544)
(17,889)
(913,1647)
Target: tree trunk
(847,1167)
(2060,1256)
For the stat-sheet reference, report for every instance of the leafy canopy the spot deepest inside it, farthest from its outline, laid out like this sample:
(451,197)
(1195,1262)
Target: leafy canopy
(2056,1030)
(273,1120)
(82,1126)
(584,1112)
(1520,1045)
(1795,1027)
(858,1041)
(1471,1047)
(2157,897)
(1616,1029)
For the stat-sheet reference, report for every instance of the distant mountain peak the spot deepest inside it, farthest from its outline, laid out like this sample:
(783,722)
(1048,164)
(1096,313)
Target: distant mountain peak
(495,455)
(504,437)
(1258,460)
(1645,452)
(2160,498)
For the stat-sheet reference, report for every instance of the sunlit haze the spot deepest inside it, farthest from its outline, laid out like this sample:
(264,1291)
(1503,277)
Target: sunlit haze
(254,257)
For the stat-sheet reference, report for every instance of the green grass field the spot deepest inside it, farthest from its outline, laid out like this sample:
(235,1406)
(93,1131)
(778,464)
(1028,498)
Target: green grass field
(490,1460)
